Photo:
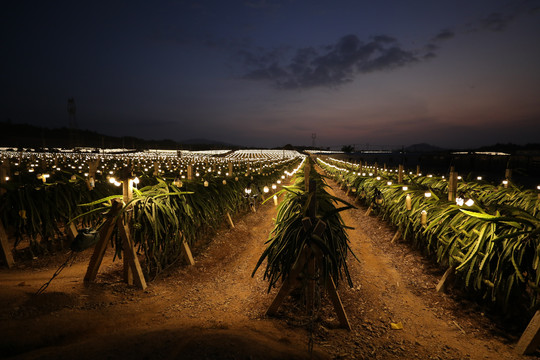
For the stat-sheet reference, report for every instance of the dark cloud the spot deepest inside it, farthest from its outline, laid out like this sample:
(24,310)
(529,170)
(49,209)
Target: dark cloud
(328,66)
(444,35)
(496,21)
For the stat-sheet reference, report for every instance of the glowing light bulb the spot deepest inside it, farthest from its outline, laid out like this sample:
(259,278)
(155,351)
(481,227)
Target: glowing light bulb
(423,219)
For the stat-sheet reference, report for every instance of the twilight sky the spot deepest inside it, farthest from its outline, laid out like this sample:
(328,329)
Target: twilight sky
(461,73)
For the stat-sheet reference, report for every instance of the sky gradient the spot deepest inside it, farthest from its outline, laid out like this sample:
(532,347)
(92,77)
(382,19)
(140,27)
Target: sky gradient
(266,73)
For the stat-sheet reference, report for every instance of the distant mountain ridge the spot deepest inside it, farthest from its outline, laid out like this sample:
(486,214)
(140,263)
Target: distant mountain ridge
(32,136)
(423,147)
(206,142)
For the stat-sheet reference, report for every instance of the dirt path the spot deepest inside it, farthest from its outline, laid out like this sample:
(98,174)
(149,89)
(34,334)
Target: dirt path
(394,284)
(215,309)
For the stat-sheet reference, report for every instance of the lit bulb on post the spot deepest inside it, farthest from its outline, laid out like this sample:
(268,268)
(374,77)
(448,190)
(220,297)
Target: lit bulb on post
(423,218)
(469,203)
(460,201)
(408,202)
(266,189)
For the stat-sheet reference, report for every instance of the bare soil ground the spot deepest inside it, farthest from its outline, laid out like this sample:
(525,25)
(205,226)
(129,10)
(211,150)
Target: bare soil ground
(216,309)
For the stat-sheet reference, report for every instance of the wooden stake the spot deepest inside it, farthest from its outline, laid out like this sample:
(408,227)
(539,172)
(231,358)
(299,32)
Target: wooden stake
(104,236)
(290,283)
(4,170)
(72,231)
(130,256)
(396,236)
(452,185)
(187,253)
(310,273)
(7,256)
(230,220)
(307,170)
(369,209)
(338,305)
(530,339)
(443,283)
(127,190)
(400,174)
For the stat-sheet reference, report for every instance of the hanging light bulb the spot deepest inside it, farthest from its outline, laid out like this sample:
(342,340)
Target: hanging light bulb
(460,201)
(427,194)
(266,189)
(469,202)
(423,218)
(405,188)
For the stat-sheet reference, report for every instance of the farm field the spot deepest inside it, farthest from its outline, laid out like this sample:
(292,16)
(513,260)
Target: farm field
(216,309)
